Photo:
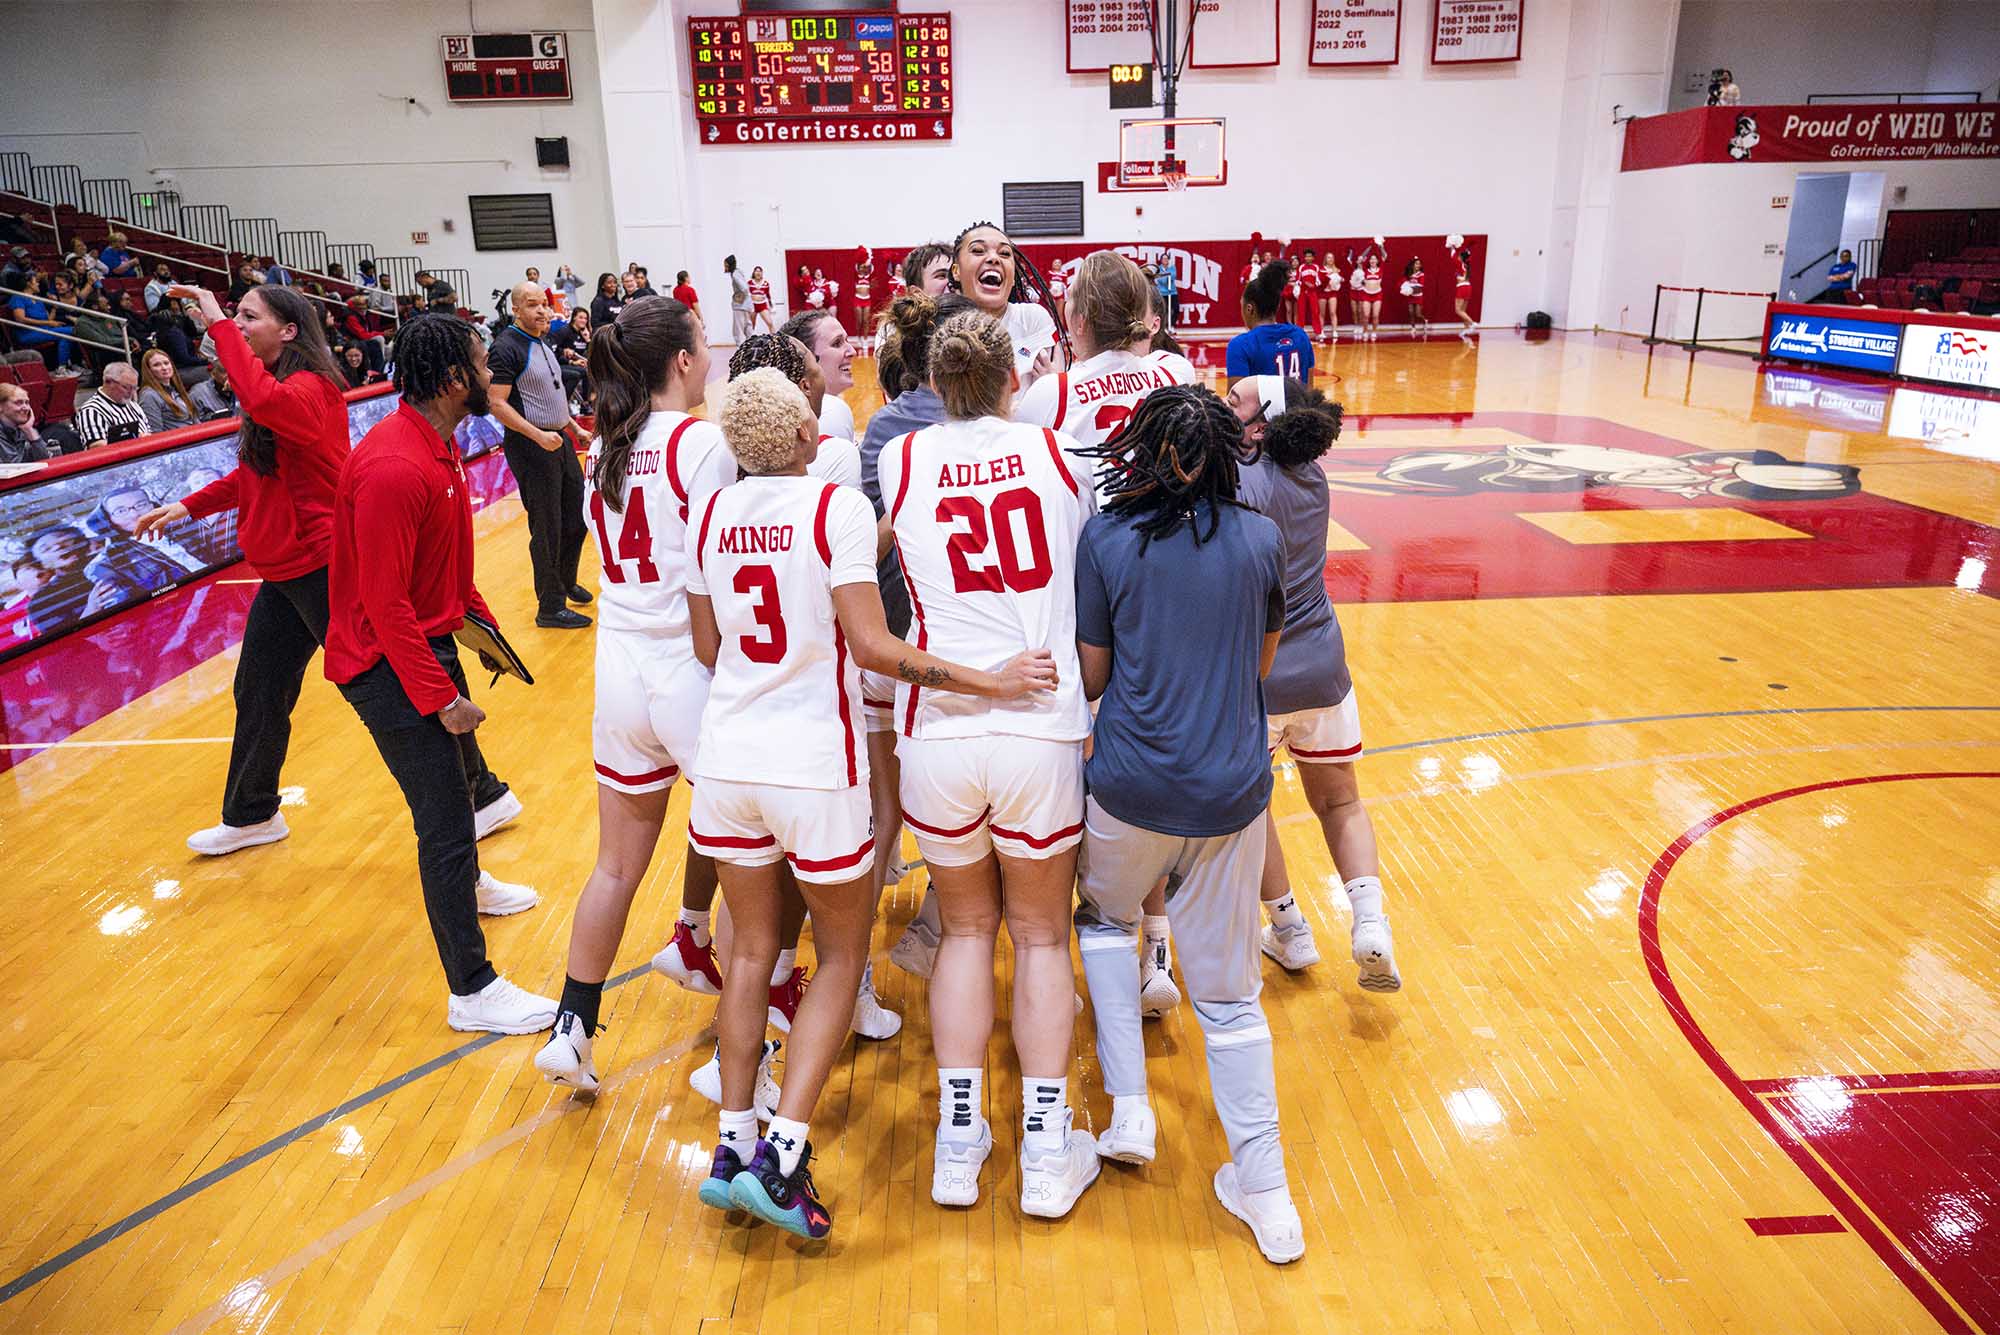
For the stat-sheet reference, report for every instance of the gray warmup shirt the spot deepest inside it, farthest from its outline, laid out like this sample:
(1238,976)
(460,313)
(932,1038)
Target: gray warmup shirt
(1310,671)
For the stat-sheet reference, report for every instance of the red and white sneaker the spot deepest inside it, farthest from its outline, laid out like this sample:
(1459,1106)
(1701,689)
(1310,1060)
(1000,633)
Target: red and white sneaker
(785,998)
(688,964)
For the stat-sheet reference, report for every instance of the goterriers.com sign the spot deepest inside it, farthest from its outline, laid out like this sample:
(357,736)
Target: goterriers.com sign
(1812,134)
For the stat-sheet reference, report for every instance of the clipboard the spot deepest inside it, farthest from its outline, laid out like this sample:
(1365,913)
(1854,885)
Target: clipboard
(483,637)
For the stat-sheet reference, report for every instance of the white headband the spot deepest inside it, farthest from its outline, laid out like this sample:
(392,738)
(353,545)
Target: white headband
(1271,389)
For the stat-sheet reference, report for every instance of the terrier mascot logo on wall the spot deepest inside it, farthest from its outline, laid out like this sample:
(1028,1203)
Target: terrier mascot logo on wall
(1745,138)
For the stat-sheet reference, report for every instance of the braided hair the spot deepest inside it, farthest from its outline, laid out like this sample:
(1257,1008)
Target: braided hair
(433,353)
(1179,450)
(779,351)
(1030,285)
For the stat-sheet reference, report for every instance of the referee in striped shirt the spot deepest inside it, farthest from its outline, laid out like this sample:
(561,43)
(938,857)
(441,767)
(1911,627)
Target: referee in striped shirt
(116,404)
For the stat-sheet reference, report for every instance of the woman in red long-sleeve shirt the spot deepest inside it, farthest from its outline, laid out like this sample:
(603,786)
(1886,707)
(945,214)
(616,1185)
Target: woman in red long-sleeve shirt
(289,453)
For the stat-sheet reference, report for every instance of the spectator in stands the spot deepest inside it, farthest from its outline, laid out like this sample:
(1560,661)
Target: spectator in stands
(1839,279)
(1925,295)
(20,441)
(114,408)
(610,300)
(118,261)
(437,294)
(213,397)
(368,277)
(163,395)
(19,265)
(133,568)
(67,595)
(47,331)
(567,285)
(157,285)
(571,342)
(136,328)
(246,278)
(13,231)
(529,401)
(178,336)
(630,283)
(354,367)
(685,294)
(63,289)
(334,271)
(81,279)
(360,325)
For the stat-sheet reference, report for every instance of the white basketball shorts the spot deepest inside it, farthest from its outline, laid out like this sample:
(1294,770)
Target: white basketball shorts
(648,714)
(827,834)
(1330,735)
(878,701)
(1021,796)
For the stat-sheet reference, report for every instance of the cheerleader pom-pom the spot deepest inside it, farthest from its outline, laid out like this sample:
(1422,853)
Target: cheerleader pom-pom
(1409,289)
(1380,242)
(1454,241)
(1256,240)
(861,253)
(816,298)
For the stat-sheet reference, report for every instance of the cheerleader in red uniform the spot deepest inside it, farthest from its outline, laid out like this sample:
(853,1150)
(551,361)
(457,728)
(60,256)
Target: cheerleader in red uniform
(1331,298)
(1368,290)
(1307,284)
(760,300)
(1461,288)
(1413,296)
(864,291)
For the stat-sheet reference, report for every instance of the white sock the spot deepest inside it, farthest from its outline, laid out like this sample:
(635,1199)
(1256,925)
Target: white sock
(787,961)
(959,1101)
(697,925)
(1365,894)
(1044,1113)
(1158,935)
(739,1131)
(788,1138)
(1284,912)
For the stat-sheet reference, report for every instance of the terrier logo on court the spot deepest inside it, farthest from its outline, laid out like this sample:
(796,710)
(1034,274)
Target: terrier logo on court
(1544,504)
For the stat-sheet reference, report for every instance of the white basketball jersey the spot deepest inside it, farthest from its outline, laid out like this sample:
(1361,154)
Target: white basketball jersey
(986,516)
(785,706)
(838,461)
(1090,401)
(643,541)
(1032,330)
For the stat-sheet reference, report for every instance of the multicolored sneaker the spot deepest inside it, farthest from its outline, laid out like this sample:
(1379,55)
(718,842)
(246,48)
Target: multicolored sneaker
(688,964)
(785,999)
(785,1199)
(714,1191)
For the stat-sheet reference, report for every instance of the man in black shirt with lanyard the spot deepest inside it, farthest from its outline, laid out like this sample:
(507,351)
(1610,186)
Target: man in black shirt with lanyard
(532,406)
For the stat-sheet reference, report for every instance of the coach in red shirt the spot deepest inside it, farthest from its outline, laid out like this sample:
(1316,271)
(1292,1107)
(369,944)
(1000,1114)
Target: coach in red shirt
(400,583)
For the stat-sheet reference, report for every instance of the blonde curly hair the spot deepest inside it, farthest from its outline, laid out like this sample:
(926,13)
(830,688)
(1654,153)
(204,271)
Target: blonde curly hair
(760,418)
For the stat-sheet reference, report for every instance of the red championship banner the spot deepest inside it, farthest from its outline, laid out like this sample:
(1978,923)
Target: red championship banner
(1209,275)
(1812,134)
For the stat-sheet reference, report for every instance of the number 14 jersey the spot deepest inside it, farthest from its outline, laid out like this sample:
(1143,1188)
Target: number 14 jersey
(986,515)
(676,461)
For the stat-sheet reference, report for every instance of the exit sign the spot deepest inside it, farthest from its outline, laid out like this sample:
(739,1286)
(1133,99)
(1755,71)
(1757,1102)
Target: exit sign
(1781,201)
(420,238)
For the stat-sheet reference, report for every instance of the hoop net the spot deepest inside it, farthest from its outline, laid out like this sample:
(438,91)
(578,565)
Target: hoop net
(1174,181)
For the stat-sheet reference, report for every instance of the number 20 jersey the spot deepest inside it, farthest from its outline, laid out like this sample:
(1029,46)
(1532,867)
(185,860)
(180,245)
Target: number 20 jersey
(676,462)
(986,515)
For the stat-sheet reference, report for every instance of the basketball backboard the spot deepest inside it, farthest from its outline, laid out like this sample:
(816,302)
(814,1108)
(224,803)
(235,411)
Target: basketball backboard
(1153,149)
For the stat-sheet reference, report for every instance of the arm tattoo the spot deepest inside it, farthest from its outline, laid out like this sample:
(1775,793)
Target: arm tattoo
(921,676)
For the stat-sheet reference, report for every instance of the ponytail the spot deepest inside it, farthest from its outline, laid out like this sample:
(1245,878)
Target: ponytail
(629,361)
(1111,299)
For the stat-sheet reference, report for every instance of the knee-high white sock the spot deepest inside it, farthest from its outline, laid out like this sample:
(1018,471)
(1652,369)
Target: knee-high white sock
(1044,1114)
(959,1100)
(1365,894)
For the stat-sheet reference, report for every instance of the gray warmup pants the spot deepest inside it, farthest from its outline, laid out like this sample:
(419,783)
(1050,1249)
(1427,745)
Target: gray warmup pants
(1212,902)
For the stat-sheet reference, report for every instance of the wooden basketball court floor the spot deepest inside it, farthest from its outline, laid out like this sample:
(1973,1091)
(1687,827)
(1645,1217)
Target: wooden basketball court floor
(1688,786)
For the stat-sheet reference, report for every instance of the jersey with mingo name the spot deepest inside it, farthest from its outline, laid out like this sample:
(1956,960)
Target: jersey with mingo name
(642,539)
(986,515)
(785,706)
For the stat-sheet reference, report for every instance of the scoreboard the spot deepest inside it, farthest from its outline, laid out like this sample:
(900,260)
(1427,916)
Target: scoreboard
(821,78)
(506,67)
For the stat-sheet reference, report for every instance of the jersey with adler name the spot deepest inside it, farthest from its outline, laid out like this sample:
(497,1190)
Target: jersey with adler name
(986,515)
(1090,401)
(642,541)
(785,706)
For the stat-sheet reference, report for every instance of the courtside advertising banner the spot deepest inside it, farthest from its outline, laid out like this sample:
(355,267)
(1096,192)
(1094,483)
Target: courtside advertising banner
(1951,355)
(1861,345)
(1823,133)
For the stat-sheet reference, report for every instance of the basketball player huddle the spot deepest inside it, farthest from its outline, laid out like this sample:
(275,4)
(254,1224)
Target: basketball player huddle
(1116,616)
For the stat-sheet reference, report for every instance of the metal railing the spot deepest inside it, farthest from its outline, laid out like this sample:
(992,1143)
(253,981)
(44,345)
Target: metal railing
(1814,264)
(17,174)
(107,196)
(254,238)
(157,211)
(1815,99)
(302,251)
(207,224)
(58,185)
(349,255)
(1868,254)
(399,272)
(123,347)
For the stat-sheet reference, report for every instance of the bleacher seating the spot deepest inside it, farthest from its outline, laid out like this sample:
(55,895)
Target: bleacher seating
(1968,281)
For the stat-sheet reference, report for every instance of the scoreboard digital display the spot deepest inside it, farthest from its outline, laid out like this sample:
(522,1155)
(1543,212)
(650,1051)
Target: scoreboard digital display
(821,78)
(506,67)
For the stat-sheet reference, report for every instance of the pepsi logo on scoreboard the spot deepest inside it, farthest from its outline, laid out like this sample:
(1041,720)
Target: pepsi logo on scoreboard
(1864,345)
(1951,354)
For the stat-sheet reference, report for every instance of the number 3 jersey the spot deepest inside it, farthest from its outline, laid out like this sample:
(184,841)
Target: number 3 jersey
(676,461)
(785,706)
(986,515)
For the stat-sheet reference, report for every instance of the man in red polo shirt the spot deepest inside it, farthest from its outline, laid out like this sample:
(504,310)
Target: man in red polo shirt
(399,584)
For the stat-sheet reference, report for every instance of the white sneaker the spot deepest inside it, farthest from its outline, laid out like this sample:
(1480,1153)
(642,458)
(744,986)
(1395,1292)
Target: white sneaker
(1271,1215)
(955,1170)
(1051,1183)
(500,1008)
(915,951)
(1132,1136)
(1293,947)
(498,812)
(871,1018)
(707,1082)
(1375,955)
(1157,992)
(565,1058)
(498,898)
(219,839)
